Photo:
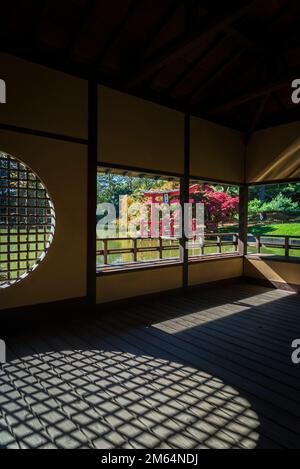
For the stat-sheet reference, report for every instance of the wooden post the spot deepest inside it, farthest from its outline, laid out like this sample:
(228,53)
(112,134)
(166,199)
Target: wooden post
(160,248)
(92,190)
(184,198)
(243,220)
(219,242)
(235,242)
(258,244)
(135,251)
(287,246)
(105,253)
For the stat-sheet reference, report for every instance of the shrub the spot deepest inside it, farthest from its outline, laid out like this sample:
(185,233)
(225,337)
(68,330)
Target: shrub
(280,203)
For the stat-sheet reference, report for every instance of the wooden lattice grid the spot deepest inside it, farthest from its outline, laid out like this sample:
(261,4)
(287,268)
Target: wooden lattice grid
(27,220)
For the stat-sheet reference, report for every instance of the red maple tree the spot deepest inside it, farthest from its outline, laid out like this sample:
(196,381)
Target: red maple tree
(220,207)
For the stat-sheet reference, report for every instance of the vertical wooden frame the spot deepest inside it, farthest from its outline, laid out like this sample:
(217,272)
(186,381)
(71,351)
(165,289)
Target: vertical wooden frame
(92,189)
(184,198)
(243,220)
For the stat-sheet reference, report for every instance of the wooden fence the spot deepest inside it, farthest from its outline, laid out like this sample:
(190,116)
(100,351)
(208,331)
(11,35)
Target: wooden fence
(162,245)
(286,243)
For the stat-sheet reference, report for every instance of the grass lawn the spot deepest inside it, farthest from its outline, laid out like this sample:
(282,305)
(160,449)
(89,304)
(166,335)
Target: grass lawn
(280,229)
(11,247)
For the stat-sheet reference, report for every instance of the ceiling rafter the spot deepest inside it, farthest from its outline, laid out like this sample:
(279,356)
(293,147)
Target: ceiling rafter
(191,15)
(78,30)
(37,19)
(277,18)
(253,44)
(241,37)
(293,39)
(264,44)
(116,33)
(199,91)
(252,94)
(248,42)
(270,50)
(197,62)
(159,28)
(191,21)
(185,42)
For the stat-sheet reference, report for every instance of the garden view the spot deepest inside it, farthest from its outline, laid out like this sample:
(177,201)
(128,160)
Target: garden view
(274,210)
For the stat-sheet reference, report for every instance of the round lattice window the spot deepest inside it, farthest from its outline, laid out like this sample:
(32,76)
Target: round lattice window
(27,220)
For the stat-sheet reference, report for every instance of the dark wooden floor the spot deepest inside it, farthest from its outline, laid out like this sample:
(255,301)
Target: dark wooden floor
(211,369)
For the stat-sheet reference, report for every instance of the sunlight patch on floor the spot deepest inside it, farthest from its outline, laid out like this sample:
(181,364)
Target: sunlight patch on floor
(197,318)
(96,399)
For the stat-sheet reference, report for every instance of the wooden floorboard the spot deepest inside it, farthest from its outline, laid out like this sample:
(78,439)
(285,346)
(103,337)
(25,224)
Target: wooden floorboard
(205,369)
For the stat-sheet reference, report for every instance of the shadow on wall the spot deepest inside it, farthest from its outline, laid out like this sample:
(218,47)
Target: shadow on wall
(195,371)
(274,271)
(286,164)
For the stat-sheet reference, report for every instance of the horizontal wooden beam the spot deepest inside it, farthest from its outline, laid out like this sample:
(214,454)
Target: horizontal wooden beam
(185,42)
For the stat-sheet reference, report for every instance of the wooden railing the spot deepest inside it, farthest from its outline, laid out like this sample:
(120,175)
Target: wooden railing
(285,243)
(135,249)
(218,240)
(162,245)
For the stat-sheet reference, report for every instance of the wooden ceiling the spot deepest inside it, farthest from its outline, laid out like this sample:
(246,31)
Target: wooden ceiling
(229,62)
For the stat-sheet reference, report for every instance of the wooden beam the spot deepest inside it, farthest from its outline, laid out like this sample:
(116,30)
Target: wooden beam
(191,15)
(147,43)
(281,13)
(252,95)
(199,91)
(36,20)
(251,43)
(184,43)
(159,28)
(79,29)
(184,199)
(196,63)
(116,33)
(242,38)
(258,114)
(243,220)
(292,41)
(248,42)
(92,165)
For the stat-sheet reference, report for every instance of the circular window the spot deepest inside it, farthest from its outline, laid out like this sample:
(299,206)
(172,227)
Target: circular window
(27,220)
